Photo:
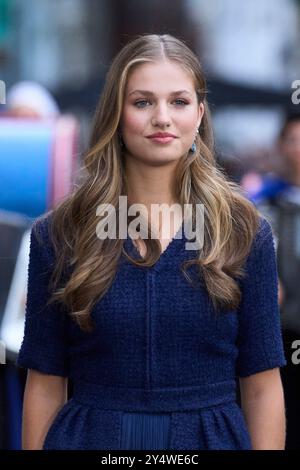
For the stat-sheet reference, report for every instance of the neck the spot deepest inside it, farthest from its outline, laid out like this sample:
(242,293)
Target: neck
(150,184)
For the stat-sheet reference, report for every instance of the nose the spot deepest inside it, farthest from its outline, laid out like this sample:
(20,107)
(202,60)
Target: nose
(161,115)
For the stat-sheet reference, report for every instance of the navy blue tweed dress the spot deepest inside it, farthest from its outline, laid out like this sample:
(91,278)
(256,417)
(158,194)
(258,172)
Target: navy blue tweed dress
(160,369)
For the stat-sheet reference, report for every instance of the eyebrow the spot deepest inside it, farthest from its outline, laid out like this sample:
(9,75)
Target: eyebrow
(150,93)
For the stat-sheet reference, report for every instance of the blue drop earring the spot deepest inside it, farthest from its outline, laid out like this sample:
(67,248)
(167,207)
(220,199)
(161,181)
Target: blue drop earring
(193,147)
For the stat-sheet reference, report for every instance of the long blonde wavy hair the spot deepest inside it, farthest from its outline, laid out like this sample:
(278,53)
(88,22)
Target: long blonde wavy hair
(230,222)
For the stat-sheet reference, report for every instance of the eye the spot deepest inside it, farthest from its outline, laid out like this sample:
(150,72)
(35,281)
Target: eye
(140,103)
(181,102)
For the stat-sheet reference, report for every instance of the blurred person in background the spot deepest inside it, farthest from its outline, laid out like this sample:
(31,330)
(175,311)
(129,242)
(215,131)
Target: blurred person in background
(28,99)
(252,183)
(281,205)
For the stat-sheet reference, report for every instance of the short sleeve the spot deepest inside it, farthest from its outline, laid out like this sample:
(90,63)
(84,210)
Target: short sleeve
(260,344)
(45,342)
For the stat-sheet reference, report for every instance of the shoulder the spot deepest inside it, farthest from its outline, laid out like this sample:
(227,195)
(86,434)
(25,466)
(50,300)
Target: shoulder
(264,231)
(260,266)
(41,235)
(263,245)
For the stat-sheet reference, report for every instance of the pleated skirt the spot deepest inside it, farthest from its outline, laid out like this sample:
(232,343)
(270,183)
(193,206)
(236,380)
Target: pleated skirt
(145,431)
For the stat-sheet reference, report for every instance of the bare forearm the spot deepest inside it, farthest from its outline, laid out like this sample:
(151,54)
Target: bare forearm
(44,396)
(265,418)
(38,415)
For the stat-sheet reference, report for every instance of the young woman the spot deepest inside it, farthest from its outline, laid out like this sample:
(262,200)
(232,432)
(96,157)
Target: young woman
(153,336)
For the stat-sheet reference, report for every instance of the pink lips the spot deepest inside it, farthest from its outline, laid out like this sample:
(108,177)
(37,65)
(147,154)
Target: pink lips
(162,137)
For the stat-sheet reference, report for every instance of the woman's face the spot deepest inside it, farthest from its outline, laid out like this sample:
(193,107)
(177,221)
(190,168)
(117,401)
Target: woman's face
(160,97)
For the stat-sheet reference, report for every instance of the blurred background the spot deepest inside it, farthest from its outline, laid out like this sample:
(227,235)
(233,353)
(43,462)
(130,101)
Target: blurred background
(54,55)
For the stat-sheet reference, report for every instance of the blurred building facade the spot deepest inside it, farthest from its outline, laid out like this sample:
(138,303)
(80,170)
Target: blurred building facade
(248,50)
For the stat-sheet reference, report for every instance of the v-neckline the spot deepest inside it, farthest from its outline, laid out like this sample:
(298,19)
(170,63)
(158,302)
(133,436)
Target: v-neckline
(169,248)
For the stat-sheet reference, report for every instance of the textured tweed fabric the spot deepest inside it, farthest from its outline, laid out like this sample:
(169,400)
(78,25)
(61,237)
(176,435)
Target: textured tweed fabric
(161,368)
